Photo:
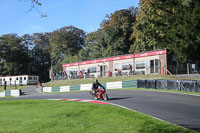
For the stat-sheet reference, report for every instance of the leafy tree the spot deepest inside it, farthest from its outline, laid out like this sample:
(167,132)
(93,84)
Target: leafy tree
(142,30)
(40,58)
(12,55)
(184,31)
(26,41)
(172,24)
(95,46)
(65,42)
(117,30)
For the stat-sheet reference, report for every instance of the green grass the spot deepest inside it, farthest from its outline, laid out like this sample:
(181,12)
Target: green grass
(6,97)
(22,116)
(12,87)
(112,79)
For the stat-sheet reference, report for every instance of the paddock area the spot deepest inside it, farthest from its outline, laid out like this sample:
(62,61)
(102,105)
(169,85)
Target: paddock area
(19,80)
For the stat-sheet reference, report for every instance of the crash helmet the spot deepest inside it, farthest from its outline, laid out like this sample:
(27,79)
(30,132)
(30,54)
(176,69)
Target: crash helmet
(96,81)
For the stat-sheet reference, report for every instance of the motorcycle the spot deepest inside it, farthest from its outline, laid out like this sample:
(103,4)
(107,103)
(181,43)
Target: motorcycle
(100,94)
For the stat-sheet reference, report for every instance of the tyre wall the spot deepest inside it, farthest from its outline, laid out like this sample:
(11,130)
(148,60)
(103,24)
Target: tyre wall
(179,85)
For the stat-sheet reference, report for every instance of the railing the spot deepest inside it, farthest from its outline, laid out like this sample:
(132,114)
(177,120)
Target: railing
(8,83)
(182,68)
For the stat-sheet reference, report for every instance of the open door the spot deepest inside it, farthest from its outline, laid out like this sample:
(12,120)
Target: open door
(157,66)
(98,71)
(151,66)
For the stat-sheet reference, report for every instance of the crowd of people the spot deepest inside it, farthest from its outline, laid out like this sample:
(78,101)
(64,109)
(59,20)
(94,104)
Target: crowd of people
(71,75)
(82,74)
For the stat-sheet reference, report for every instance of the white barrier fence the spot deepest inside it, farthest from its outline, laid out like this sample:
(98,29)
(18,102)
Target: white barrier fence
(83,87)
(14,93)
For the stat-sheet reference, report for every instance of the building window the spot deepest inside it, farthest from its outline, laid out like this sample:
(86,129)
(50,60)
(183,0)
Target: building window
(83,70)
(24,78)
(3,79)
(116,66)
(30,78)
(74,70)
(92,69)
(125,66)
(35,78)
(140,64)
(0,79)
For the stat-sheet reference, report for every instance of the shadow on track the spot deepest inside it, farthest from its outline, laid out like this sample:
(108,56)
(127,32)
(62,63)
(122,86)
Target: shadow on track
(119,98)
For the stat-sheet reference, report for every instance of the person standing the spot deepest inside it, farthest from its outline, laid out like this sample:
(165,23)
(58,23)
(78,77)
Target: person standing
(130,69)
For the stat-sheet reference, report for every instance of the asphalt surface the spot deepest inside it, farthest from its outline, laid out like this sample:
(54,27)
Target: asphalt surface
(180,109)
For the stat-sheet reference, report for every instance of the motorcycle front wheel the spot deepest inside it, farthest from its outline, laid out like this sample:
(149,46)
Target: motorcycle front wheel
(105,97)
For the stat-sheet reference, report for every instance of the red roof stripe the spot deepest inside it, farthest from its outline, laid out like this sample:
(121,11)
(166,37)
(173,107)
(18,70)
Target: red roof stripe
(131,56)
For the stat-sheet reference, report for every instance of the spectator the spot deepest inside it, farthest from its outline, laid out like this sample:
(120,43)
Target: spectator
(52,76)
(65,75)
(118,72)
(56,75)
(85,75)
(130,69)
(38,84)
(80,74)
(88,72)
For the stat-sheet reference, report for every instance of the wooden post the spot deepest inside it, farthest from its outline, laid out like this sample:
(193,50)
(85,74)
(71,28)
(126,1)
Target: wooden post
(188,69)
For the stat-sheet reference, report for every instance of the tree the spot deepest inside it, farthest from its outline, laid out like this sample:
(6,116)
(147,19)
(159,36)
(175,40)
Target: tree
(26,41)
(117,30)
(142,30)
(12,55)
(65,42)
(172,24)
(40,58)
(95,46)
(34,4)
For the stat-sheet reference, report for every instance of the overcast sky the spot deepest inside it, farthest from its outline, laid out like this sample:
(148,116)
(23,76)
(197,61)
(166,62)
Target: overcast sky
(84,14)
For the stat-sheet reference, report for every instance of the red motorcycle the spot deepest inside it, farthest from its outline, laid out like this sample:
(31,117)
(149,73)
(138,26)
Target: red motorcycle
(100,94)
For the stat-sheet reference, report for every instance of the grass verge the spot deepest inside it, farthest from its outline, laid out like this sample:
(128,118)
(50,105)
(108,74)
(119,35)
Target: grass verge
(74,117)
(112,79)
(12,87)
(6,97)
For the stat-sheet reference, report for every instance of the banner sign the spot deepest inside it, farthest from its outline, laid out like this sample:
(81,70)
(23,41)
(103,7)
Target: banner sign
(150,53)
(131,56)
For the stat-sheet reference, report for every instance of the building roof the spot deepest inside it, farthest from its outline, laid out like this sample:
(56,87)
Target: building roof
(121,57)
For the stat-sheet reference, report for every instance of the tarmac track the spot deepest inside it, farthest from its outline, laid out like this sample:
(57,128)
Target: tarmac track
(180,109)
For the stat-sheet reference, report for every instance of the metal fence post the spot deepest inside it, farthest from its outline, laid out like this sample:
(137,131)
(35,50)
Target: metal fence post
(15,85)
(5,85)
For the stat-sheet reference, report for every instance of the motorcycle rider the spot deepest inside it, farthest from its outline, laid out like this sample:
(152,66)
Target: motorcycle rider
(96,85)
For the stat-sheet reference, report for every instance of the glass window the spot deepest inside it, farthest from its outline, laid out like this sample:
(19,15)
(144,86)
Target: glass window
(3,79)
(24,78)
(116,66)
(83,70)
(16,78)
(20,78)
(74,70)
(68,72)
(92,69)
(140,64)
(30,78)
(0,79)
(125,66)
(35,78)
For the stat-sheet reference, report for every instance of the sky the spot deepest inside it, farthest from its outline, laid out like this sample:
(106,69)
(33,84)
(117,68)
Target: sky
(83,14)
